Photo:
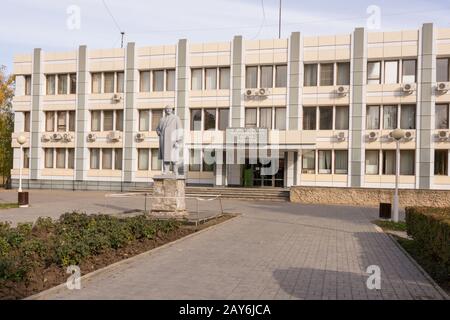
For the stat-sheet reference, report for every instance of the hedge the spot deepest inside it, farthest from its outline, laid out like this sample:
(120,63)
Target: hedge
(430,229)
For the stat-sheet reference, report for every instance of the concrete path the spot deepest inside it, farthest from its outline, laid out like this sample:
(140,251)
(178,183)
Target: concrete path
(271,251)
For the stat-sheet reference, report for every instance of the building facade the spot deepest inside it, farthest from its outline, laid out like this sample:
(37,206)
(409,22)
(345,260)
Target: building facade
(328,105)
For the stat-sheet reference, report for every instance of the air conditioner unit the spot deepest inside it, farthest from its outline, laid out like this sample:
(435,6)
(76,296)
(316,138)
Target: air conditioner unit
(114,136)
(140,136)
(67,137)
(248,93)
(443,135)
(409,135)
(117,97)
(443,87)
(408,87)
(56,137)
(45,138)
(91,137)
(373,135)
(263,92)
(340,136)
(342,91)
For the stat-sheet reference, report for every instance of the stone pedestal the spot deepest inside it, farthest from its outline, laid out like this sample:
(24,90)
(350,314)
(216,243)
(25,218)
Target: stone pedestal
(169,196)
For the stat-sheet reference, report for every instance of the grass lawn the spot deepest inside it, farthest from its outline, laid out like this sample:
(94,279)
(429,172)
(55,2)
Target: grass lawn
(391,225)
(8,205)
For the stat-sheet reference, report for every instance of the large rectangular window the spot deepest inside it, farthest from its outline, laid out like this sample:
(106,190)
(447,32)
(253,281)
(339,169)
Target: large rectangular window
(309,161)
(48,157)
(310,75)
(391,71)
(281,76)
(340,161)
(407,162)
(51,84)
(250,117)
(265,118)
(373,117)
(62,84)
(143,157)
(442,69)
(108,82)
(156,163)
(441,116)
(409,71)
(224,81)
(118,159)
(210,78)
(95,158)
(96,82)
(108,121)
(343,73)
(196,119)
(50,121)
(196,79)
(157,114)
(158,80)
(374,72)
(251,77)
(170,80)
(389,162)
(372,162)
(390,117)
(26,121)
(60,158)
(326,118)
(326,74)
(120,82)
(62,121)
(144,120)
(407,116)
(325,161)
(441,162)
(341,118)
(266,77)
(27,85)
(223,118)
(280,118)
(107,158)
(144,81)
(210,119)
(309,118)
(96,120)
(73,83)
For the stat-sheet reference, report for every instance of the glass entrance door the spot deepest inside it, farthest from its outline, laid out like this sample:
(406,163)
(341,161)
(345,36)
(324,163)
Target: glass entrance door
(254,178)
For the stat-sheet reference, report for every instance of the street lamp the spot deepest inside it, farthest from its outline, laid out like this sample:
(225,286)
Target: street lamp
(397,134)
(22,196)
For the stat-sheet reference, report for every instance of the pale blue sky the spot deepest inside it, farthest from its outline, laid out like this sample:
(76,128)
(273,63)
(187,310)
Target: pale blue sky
(26,24)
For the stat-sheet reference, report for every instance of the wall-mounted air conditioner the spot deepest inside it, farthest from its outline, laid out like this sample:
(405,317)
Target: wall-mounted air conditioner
(117,97)
(408,88)
(67,137)
(342,91)
(140,136)
(340,136)
(56,137)
(443,87)
(409,135)
(443,135)
(91,137)
(372,136)
(45,138)
(114,136)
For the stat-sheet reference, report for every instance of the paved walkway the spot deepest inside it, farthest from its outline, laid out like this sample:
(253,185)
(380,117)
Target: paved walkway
(271,251)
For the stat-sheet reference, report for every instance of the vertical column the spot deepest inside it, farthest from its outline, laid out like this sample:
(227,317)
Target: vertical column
(426,105)
(81,114)
(294,90)
(290,168)
(358,106)
(182,92)
(129,112)
(35,128)
(237,83)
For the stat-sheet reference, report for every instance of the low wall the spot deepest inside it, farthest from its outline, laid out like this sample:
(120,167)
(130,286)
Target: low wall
(369,197)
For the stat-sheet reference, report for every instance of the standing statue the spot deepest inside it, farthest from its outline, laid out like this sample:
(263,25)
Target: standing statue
(170,134)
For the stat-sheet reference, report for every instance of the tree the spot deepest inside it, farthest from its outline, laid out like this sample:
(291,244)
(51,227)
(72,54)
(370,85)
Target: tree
(6,124)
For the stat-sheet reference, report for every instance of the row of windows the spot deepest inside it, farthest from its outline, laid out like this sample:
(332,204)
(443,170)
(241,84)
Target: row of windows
(266,76)
(107,82)
(388,71)
(59,83)
(157,80)
(391,119)
(325,119)
(325,164)
(60,121)
(324,74)
(214,78)
(106,120)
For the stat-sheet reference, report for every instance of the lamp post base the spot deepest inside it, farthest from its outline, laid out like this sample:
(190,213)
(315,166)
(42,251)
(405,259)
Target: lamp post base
(23,199)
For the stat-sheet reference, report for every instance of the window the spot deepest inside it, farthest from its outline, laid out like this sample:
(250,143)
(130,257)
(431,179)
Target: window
(144,85)
(26,158)
(374,72)
(108,120)
(196,79)
(108,82)
(389,162)
(120,82)
(26,121)
(210,119)
(156,163)
(48,157)
(62,84)
(158,80)
(343,73)
(118,159)
(196,119)
(251,77)
(341,118)
(28,85)
(250,117)
(340,161)
(170,80)
(61,120)
(144,120)
(72,121)
(409,71)
(442,69)
(60,158)
(210,78)
(309,161)
(280,118)
(51,83)
(281,76)
(157,114)
(324,161)
(95,158)
(107,158)
(95,120)
(441,118)
(326,118)
(208,160)
(266,77)
(310,76)
(372,160)
(390,117)
(408,117)
(373,117)
(73,83)
(391,72)
(70,158)
(224,81)
(143,159)
(441,162)
(326,74)
(223,118)
(96,82)
(265,118)
(309,118)
(195,160)
(50,121)
(119,120)
(407,162)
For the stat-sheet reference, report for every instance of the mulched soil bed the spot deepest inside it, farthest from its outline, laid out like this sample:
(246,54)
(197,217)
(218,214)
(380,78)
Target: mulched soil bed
(44,278)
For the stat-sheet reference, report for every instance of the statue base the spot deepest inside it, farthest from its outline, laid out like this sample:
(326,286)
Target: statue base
(169,196)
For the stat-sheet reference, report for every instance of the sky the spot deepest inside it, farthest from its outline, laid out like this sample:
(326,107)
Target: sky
(62,25)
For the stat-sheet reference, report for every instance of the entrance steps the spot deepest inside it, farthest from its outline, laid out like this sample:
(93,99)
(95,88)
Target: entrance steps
(271,194)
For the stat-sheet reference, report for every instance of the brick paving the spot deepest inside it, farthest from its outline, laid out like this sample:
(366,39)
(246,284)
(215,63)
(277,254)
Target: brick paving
(271,251)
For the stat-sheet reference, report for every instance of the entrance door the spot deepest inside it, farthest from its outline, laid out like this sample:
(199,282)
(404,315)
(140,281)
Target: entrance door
(259,180)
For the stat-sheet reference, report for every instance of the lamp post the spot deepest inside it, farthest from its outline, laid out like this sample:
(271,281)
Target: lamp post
(22,196)
(397,134)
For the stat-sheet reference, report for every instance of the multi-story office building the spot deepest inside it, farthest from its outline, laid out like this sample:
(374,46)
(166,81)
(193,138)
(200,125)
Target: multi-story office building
(329,104)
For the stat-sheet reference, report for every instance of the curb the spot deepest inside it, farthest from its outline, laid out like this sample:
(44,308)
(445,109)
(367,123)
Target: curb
(41,295)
